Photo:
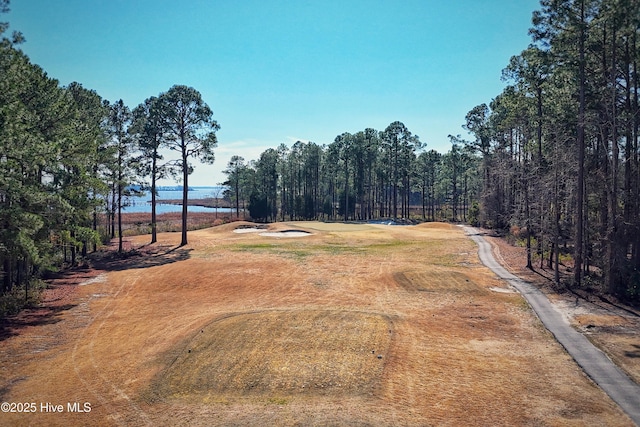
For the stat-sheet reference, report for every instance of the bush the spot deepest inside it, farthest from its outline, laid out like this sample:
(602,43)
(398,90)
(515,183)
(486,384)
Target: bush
(14,301)
(632,290)
(474,214)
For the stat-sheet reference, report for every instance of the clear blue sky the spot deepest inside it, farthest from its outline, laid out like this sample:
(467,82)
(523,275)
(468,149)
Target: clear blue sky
(279,71)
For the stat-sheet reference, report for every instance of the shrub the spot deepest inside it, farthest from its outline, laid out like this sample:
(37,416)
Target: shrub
(474,214)
(14,301)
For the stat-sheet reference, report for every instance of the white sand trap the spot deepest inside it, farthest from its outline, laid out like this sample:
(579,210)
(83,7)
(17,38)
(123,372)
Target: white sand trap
(248,230)
(286,233)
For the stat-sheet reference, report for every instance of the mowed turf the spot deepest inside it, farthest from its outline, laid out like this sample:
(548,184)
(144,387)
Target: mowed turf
(287,352)
(351,325)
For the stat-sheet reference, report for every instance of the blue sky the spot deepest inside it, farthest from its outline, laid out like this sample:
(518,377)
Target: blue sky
(279,71)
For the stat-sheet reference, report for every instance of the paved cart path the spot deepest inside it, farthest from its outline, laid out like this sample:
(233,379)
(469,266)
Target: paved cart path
(593,361)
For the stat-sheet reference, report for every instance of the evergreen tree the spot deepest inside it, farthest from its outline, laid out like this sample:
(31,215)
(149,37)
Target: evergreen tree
(120,118)
(148,130)
(190,130)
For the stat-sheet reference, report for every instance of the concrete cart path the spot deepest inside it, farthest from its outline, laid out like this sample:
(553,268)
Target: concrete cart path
(592,360)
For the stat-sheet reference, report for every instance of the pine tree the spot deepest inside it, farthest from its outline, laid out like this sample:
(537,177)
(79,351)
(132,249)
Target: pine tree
(190,130)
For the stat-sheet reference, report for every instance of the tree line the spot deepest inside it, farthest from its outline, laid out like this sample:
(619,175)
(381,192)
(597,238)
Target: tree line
(69,157)
(360,176)
(559,145)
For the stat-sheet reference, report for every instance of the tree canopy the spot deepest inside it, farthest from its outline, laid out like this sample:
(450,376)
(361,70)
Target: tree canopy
(362,176)
(559,145)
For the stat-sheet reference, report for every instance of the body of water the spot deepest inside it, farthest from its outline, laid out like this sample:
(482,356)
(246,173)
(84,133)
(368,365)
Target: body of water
(142,203)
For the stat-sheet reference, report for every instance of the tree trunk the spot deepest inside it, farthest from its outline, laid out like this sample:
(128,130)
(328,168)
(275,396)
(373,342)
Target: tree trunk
(120,216)
(636,132)
(113,212)
(237,190)
(73,249)
(7,282)
(185,194)
(395,179)
(26,281)
(611,262)
(154,224)
(528,219)
(346,189)
(578,249)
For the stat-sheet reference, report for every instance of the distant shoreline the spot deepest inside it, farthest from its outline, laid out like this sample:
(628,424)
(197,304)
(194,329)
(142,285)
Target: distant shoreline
(206,203)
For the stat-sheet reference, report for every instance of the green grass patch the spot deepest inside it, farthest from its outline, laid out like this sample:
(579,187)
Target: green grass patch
(298,251)
(285,250)
(254,247)
(278,401)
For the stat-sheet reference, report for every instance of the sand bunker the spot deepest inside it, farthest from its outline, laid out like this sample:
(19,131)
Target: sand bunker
(264,232)
(248,230)
(286,233)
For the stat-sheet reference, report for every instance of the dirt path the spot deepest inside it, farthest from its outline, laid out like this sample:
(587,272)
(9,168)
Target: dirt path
(595,363)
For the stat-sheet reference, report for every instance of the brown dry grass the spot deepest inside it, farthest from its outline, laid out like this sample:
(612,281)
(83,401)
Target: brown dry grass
(301,352)
(134,223)
(241,329)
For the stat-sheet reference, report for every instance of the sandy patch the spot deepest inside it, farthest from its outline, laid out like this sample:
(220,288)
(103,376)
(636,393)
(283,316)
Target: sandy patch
(248,230)
(286,233)
(100,278)
(502,290)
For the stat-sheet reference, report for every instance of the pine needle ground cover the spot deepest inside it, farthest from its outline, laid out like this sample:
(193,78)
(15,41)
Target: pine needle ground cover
(351,325)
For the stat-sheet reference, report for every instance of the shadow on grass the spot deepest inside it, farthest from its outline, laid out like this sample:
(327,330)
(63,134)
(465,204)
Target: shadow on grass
(143,257)
(55,299)
(29,317)
(633,353)
(61,285)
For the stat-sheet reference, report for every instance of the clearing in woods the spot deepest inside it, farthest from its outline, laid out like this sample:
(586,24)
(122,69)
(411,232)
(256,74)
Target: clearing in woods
(349,325)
